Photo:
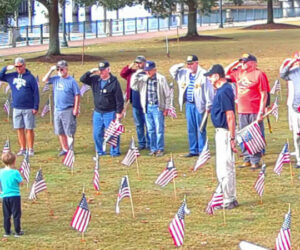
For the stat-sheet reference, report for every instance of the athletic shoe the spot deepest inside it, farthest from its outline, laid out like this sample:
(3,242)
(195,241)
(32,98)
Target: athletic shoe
(30,152)
(159,153)
(191,155)
(6,235)
(255,166)
(21,152)
(17,235)
(245,164)
(152,153)
(232,205)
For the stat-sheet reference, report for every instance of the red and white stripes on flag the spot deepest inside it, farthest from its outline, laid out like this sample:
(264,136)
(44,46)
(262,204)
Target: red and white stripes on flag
(276,87)
(96,179)
(216,200)
(284,157)
(252,138)
(84,88)
(203,157)
(111,134)
(274,109)
(46,109)
(124,191)
(25,168)
(169,173)
(69,159)
(260,181)
(38,186)
(283,240)
(6,147)
(6,106)
(177,225)
(82,216)
(132,154)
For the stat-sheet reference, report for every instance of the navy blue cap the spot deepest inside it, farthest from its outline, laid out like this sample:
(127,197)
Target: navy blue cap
(248,58)
(149,65)
(103,65)
(192,58)
(216,69)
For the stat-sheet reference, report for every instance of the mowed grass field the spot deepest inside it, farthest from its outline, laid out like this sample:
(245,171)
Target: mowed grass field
(154,206)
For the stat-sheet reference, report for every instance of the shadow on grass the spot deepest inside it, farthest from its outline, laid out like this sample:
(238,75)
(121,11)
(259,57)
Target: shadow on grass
(67,57)
(272,26)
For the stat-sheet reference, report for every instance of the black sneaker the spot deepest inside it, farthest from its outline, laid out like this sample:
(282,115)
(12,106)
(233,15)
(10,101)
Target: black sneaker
(17,235)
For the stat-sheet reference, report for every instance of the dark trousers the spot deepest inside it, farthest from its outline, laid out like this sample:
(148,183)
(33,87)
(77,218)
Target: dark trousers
(12,206)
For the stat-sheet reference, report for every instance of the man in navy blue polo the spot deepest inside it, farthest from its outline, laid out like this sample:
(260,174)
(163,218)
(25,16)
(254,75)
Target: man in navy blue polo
(223,118)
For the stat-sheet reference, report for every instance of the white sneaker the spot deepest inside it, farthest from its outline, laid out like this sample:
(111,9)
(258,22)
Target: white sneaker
(21,152)
(30,152)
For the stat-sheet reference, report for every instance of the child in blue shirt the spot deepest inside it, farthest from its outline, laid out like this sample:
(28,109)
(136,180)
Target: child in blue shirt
(10,180)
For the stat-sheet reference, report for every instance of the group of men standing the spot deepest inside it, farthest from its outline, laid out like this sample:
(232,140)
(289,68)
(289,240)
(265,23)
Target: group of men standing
(242,86)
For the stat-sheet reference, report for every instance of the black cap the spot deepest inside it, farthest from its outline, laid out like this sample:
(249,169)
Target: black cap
(216,69)
(103,65)
(140,59)
(248,58)
(149,65)
(62,64)
(191,58)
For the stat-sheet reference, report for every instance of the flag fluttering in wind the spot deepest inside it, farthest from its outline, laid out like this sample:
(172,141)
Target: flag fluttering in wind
(169,173)
(132,154)
(82,216)
(111,134)
(216,200)
(6,147)
(84,88)
(284,157)
(46,109)
(260,181)
(252,138)
(283,240)
(124,191)
(25,168)
(96,179)
(6,106)
(69,158)
(203,157)
(276,87)
(38,186)
(46,88)
(274,109)
(177,225)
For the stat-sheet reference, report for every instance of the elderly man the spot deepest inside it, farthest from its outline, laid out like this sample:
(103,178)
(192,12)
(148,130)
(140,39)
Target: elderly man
(108,102)
(252,87)
(155,101)
(134,97)
(291,73)
(66,104)
(197,92)
(223,118)
(25,97)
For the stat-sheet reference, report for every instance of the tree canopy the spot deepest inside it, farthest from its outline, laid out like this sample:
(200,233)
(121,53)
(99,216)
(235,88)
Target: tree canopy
(7,7)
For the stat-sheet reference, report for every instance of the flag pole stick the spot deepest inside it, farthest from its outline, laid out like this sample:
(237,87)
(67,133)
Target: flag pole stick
(167,46)
(131,201)
(291,169)
(280,95)
(50,109)
(137,168)
(174,184)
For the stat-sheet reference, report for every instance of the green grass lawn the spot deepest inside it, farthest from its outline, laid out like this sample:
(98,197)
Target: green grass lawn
(155,207)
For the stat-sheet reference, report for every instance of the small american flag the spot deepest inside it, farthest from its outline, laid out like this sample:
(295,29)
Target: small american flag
(96,179)
(84,88)
(276,87)
(69,159)
(82,216)
(6,106)
(124,191)
(132,154)
(203,157)
(260,181)
(172,110)
(274,109)
(46,88)
(284,157)
(6,147)
(38,186)
(46,109)
(7,89)
(216,200)
(283,240)
(169,173)
(177,225)
(111,134)
(25,168)
(252,138)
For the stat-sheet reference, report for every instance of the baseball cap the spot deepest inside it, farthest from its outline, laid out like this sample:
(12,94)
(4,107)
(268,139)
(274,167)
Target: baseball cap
(140,59)
(19,61)
(216,69)
(103,65)
(248,58)
(149,65)
(62,64)
(191,58)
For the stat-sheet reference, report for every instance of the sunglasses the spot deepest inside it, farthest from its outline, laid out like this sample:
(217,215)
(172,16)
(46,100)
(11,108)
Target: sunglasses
(19,66)
(60,69)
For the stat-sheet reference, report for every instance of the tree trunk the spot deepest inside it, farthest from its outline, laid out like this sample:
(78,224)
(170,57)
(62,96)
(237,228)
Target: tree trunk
(192,19)
(270,12)
(54,47)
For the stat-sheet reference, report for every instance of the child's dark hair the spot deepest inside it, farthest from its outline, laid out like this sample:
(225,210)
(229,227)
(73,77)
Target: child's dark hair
(8,158)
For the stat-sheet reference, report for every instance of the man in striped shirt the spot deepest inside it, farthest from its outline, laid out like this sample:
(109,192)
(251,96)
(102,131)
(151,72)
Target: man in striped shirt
(196,90)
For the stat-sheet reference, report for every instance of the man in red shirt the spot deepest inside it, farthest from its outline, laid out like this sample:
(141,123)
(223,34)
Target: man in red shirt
(251,93)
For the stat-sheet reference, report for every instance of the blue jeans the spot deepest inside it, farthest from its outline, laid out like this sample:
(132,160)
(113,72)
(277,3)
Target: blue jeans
(140,124)
(194,118)
(101,121)
(155,121)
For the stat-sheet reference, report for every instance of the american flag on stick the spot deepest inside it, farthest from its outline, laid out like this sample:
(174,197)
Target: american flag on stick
(274,109)
(124,191)
(203,157)
(46,88)
(216,200)
(6,147)
(111,134)
(260,181)
(172,110)
(46,108)
(252,138)
(25,168)
(283,240)
(84,88)
(96,179)
(169,173)
(6,106)
(82,216)
(276,87)
(38,186)
(284,157)
(132,154)
(69,158)
(177,225)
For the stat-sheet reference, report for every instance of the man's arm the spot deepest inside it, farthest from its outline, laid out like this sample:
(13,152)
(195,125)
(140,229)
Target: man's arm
(47,76)
(230,117)
(86,78)
(174,70)
(127,71)
(209,94)
(284,72)
(3,72)
(135,80)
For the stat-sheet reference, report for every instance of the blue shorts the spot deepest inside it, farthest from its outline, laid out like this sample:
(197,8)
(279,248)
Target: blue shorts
(23,118)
